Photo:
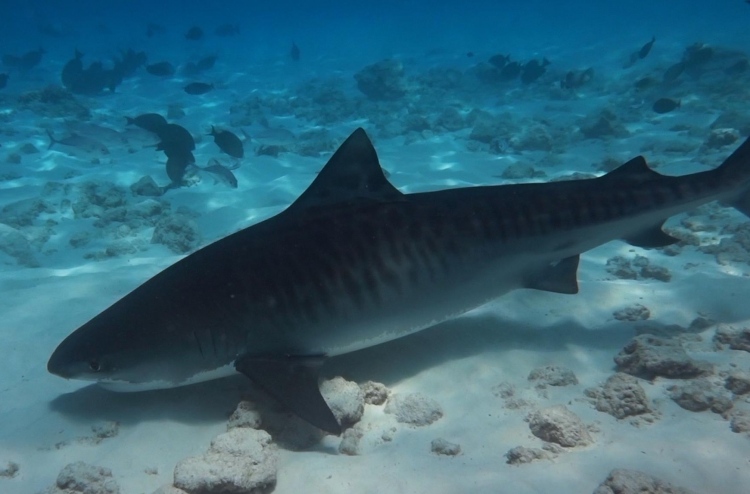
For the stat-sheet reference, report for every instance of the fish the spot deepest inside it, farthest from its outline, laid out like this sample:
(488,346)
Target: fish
(510,71)
(646,49)
(737,68)
(53,29)
(196,88)
(162,69)
(3,80)
(194,33)
(353,262)
(697,54)
(95,78)
(152,122)
(227,30)
(644,83)
(128,62)
(533,70)
(221,172)
(153,29)
(175,140)
(674,71)
(294,52)
(177,163)
(206,63)
(228,142)
(665,105)
(25,62)
(79,142)
(576,78)
(499,61)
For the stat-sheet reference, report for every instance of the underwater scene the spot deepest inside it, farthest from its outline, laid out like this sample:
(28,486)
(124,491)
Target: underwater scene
(367,247)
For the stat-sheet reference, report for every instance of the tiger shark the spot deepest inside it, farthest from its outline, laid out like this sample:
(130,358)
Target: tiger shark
(353,263)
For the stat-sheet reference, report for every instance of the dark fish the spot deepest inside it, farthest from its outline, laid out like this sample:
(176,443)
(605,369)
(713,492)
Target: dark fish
(533,70)
(194,68)
(499,61)
(175,140)
(3,80)
(73,70)
(31,59)
(510,71)
(665,105)
(25,62)
(644,83)
(162,69)
(206,63)
(53,30)
(738,67)
(196,88)
(228,142)
(194,33)
(577,78)
(126,64)
(645,49)
(221,172)
(154,29)
(177,163)
(227,30)
(674,71)
(152,122)
(96,78)
(697,54)
(469,54)
(294,53)
(11,60)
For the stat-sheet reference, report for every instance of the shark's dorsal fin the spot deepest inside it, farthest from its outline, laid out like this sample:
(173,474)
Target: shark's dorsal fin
(294,382)
(352,173)
(635,170)
(561,277)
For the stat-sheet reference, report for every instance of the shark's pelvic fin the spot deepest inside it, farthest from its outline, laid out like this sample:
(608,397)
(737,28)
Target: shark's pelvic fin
(352,173)
(561,277)
(294,382)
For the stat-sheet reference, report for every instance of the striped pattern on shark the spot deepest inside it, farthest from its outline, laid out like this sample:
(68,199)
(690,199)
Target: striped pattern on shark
(353,263)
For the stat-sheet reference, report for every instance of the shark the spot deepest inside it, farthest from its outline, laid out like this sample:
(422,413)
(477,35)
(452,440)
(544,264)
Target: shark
(353,262)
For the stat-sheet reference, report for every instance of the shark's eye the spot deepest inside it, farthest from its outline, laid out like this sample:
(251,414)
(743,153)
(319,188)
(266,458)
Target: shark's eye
(94,365)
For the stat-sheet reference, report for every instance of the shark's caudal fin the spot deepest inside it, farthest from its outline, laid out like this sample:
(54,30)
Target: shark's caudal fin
(736,168)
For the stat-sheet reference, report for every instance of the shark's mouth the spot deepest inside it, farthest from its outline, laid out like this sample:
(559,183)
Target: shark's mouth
(125,386)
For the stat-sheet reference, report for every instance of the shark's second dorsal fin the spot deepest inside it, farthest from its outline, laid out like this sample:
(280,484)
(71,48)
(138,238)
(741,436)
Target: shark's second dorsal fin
(353,172)
(635,170)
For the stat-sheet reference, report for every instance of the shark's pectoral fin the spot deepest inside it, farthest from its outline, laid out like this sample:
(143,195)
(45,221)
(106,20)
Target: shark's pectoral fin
(651,238)
(294,382)
(561,277)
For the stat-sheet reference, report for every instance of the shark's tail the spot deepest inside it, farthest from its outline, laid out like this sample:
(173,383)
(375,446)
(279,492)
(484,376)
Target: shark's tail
(736,170)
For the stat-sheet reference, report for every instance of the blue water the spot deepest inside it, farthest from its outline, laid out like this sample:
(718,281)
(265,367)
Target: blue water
(364,31)
(336,40)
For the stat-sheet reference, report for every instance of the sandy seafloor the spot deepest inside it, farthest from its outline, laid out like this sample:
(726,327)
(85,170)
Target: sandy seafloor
(460,363)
